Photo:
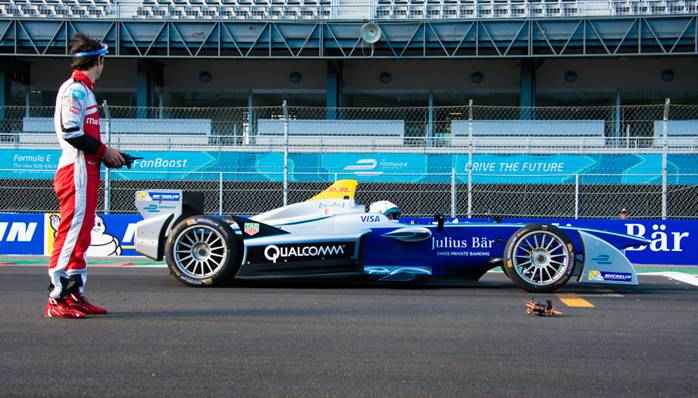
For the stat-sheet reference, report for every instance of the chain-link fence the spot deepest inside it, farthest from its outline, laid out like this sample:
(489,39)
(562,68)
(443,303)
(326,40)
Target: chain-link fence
(571,196)
(650,132)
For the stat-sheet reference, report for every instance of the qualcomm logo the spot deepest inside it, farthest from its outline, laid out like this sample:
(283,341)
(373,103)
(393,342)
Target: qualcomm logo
(364,167)
(18,231)
(274,252)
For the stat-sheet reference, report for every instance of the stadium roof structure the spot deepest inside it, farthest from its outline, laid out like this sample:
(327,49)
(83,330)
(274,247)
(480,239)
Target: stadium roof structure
(583,36)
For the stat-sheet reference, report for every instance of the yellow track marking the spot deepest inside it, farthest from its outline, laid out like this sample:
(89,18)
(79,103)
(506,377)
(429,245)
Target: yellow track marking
(574,301)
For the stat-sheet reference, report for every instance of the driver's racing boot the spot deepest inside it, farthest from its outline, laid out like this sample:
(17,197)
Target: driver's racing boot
(79,302)
(59,308)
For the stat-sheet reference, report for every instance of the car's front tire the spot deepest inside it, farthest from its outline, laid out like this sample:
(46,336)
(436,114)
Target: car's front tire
(202,251)
(539,258)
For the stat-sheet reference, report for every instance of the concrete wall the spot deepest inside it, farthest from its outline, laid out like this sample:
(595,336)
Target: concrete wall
(243,76)
(48,74)
(432,75)
(631,76)
(637,79)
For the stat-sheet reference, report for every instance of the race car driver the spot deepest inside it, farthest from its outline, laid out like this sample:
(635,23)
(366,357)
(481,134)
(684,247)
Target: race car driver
(76,121)
(387,208)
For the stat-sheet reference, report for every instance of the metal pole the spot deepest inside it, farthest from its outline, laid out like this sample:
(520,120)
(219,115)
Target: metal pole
(161,104)
(285,109)
(220,193)
(665,191)
(453,191)
(470,120)
(627,134)
(430,119)
(616,123)
(665,119)
(469,166)
(665,150)
(576,196)
(107,171)
(250,119)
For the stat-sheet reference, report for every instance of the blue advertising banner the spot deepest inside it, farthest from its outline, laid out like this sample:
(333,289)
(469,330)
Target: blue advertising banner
(21,233)
(672,242)
(375,167)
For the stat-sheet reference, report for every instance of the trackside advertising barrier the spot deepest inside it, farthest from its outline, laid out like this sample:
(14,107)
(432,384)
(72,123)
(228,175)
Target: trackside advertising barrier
(673,242)
(375,167)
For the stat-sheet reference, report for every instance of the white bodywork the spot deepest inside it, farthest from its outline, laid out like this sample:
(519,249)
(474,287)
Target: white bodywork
(335,217)
(340,216)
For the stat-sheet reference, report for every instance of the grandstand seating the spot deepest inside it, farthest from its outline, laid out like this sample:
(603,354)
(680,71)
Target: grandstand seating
(339,9)
(552,133)
(58,8)
(331,132)
(39,130)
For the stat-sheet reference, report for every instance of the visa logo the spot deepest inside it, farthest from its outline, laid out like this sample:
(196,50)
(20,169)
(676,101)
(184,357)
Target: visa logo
(17,231)
(370,219)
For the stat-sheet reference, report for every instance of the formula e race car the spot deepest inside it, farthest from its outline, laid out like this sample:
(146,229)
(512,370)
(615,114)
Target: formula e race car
(332,236)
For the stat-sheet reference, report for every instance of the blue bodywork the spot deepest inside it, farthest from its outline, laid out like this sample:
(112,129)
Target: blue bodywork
(465,249)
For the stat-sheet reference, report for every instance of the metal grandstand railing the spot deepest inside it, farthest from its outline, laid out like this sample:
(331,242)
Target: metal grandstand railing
(339,9)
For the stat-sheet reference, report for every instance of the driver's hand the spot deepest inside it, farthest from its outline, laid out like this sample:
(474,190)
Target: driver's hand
(113,158)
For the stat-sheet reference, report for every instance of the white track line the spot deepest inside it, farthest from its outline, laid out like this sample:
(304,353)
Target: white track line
(677,276)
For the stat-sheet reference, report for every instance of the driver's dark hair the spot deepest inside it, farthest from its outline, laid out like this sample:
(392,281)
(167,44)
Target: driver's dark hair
(81,43)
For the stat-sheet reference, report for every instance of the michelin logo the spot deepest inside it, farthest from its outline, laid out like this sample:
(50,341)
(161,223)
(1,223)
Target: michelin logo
(164,196)
(102,243)
(273,252)
(603,276)
(616,276)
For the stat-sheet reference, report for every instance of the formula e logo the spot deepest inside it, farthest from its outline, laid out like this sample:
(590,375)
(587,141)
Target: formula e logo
(273,252)
(364,167)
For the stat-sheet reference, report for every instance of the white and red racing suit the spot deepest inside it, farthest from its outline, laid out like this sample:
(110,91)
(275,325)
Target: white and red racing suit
(76,182)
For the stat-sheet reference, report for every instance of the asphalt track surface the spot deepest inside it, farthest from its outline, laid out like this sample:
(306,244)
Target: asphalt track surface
(345,340)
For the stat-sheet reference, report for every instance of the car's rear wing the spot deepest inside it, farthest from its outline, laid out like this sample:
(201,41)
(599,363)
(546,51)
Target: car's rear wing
(154,202)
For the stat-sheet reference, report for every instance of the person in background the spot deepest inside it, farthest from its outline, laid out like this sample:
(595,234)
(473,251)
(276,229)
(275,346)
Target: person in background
(623,214)
(76,182)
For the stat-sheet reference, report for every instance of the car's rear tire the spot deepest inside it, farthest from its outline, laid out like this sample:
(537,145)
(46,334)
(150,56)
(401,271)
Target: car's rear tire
(539,258)
(202,251)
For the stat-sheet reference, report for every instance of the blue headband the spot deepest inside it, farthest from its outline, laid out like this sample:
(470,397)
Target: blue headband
(102,51)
